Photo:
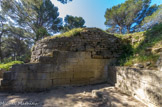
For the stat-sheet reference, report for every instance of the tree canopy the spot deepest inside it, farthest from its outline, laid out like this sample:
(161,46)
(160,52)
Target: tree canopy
(33,15)
(155,18)
(73,22)
(126,17)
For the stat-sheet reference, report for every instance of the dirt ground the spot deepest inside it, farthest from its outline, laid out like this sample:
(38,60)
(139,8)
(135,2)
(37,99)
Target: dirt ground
(101,95)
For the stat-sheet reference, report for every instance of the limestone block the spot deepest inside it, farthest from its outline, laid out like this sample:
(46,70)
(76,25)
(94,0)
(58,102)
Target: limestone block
(70,67)
(69,74)
(32,75)
(72,60)
(60,82)
(83,81)
(96,80)
(59,68)
(85,55)
(45,68)
(46,60)
(38,84)
(1,72)
(97,56)
(58,75)
(9,75)
(6,83)
(89,48)
(79,68)
(54,75)
(20,68)
(83,74)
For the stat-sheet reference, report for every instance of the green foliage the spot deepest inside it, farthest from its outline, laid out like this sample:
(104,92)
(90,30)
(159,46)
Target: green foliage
(70,33)
(127,52)
(16,49)
(127,17)
(140,53)
(155,18)
(72,22)
(7,66)
(41,33)
(33,15)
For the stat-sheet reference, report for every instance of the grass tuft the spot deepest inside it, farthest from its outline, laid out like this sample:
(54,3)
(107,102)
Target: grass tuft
(8,65)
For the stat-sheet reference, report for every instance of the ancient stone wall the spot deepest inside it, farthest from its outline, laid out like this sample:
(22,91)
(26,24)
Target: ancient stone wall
(145,85)
(77,60)
(100,44)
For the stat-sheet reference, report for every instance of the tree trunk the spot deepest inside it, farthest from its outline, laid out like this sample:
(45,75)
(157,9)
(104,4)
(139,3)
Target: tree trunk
(120,30)
(1,56)
(128,29)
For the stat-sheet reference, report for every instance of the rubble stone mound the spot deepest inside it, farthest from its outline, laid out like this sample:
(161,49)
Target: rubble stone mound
(100,44)
(79,59)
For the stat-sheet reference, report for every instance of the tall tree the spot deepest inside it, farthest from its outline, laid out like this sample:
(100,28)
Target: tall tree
(127,16)
(3,30)
(33,15)
(73,22)
(16,49)
(155,18)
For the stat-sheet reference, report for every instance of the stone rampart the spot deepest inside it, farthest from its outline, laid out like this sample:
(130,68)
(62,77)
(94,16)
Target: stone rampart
(62,61)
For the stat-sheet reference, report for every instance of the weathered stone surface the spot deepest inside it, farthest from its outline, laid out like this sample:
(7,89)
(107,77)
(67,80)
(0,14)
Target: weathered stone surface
(159,63)
(77,60)
(90,40)
(145,85)
(1,72)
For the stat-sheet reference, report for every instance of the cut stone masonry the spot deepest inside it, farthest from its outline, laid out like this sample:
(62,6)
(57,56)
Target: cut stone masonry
(81,59)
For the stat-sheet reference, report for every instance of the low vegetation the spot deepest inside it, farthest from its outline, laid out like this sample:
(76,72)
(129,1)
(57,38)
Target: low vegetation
(70,33)
(142,47)
(8,65)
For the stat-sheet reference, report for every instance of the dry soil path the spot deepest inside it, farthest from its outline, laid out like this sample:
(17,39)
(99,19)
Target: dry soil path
(101,95)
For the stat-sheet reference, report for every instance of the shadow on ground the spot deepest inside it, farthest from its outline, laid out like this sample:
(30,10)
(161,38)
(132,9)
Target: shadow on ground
(101,95)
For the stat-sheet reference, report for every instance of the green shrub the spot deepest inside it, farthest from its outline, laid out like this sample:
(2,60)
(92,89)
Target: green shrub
(7,66)
(138,52)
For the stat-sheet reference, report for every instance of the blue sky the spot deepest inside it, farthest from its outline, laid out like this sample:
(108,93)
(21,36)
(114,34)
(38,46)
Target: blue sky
(92,11)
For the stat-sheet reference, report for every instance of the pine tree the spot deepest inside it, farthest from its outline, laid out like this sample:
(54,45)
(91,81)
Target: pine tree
(73,22)
(127,17)
(155,18)
(33,15)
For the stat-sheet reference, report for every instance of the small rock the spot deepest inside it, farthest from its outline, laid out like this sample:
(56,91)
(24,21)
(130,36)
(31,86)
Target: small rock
(79,97)
(139,65)
(97,94)
(148,63)
(84,92)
